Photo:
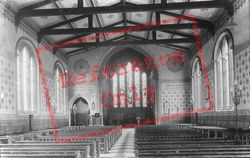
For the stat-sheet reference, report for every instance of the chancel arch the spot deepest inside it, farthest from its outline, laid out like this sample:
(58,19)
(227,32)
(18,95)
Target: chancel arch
(128,87)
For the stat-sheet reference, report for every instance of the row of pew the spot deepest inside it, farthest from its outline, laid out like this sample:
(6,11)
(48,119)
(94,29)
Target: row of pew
(73,142)
(185,141)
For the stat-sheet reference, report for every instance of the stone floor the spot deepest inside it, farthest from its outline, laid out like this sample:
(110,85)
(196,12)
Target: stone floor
(124,147)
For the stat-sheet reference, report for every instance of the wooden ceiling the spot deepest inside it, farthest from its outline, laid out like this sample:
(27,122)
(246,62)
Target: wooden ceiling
(85,20)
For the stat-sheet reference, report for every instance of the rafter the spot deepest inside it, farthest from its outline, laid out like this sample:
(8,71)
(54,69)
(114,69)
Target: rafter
(126,42)
(186,17)
(18,18)
(80,3)
(121,29)
(37,5)
(65,22)
(122,38)
(150,20)
(124,16)
(92,47)
(127,8)
(85,35)
(164,45)
(99,21)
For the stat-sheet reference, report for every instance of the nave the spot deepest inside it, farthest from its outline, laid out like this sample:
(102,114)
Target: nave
(75,73)
(176,140)
(124,147)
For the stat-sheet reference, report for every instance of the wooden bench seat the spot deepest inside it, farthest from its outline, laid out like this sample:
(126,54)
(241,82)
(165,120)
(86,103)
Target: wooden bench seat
(187,146)
(226,154)
(39,155)
(25,149)
(192,149)
(211,131)
(169,137)
(102,143)
(186,142)
(94,147)
(203,141)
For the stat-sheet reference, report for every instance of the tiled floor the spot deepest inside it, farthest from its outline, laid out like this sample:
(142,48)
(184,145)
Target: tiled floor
(124,147)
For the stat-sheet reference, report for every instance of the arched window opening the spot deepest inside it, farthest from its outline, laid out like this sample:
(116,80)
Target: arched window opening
(144,89)
(27,78)
(122,87)
(197,84)
(131,101)
(137,88)
(115,90)
(129,85)
(59,89)
(223,68)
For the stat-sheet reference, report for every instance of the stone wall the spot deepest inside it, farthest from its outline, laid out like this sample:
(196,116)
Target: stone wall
(11,121)
(238,25)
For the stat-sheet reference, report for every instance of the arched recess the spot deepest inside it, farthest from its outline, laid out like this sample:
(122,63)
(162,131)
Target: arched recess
(79,112)
(123,55)
(224,71)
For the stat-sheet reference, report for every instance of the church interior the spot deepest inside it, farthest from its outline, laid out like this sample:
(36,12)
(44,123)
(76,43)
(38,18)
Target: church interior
(124,78)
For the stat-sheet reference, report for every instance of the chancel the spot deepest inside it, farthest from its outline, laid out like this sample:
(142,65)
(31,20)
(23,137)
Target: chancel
(124,78)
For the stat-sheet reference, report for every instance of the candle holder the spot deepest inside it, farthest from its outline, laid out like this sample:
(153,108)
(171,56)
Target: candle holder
(236,96)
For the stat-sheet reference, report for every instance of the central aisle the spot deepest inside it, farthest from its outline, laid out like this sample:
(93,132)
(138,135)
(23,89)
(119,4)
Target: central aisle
(124,147)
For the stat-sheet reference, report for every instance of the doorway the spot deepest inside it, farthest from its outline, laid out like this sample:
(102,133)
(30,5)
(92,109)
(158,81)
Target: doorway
(80,112)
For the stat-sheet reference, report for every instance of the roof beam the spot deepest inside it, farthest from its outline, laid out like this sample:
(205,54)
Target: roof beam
(164,45)
(125,42)
(18,17)
(80,3)
(84,34)
(37,5)
(205,22)
(178,33)
(84,49)
(127,8)
(65,22)
(120,29)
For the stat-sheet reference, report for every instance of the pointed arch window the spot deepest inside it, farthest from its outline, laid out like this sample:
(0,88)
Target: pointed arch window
(137,88)
(197,84)
(115,90)
(129,87)
(223,69)
(129,84)
(59,90)
(27,78)
(144,89)
(122,87)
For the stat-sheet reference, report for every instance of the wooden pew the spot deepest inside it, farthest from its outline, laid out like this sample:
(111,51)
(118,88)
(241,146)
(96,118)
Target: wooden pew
(94,147)
(97,144)
(103,142)
(14,150)
(100,143)
(212,132)
(106,140)
(176,142)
